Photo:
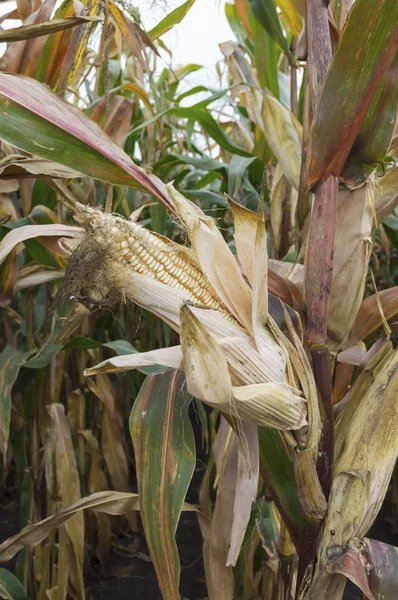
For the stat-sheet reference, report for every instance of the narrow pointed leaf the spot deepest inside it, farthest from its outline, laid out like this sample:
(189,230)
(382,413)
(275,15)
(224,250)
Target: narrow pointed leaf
(265,12)
(366,46)
(277,468)
(175,17)
(164,449)
(369,318)
(69,483)
(39,122)
(260,285)
(211,126)
(266,54)
(245,490)
(55,48)
(280,131)
(26,167)
(168,357)
(10,363)
(27,32)
(291,14)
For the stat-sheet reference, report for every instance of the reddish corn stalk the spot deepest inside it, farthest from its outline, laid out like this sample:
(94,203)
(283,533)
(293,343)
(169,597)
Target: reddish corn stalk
(319,274)
(319,267)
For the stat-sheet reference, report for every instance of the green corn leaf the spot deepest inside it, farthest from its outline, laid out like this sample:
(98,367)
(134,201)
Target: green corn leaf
(37,121)
(266,55)
(266,14)
(374,138)
(365,50)
(277,469)
(10,587)
(164,449)
(173,18)
(10,363)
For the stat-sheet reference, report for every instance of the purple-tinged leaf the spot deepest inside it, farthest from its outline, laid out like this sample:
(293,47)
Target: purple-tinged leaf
(365,49)
(38,121)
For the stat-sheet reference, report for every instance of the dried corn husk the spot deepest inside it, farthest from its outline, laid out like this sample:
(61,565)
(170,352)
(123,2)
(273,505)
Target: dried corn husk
(206,369)
(368,447)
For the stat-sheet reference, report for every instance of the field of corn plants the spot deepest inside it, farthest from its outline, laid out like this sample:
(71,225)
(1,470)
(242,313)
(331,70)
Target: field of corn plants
(197,291)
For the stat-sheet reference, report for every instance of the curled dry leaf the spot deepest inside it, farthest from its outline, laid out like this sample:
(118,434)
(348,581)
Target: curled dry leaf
(111,503)
(27,232)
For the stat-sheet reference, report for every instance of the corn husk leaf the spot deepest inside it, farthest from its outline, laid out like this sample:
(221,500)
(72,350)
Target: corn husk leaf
(245,489)
(215,258)
(303,371)
(312,501)
(280,131)
(352,252)
(245,222)
(206,368)
(260,287)
(364,465)
(167,357)
(386,194)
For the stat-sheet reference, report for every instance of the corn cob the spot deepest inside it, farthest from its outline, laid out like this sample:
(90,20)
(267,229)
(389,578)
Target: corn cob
(154,256)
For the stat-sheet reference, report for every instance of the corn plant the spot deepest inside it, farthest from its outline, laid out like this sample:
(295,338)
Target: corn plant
(274,330)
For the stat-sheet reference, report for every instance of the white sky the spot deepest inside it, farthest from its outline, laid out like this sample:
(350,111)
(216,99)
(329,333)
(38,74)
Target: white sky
(196,38)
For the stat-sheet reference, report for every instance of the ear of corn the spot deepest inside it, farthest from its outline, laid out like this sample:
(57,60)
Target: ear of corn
(131,245)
